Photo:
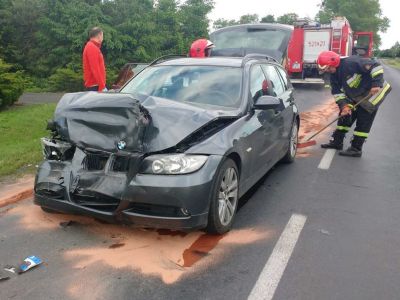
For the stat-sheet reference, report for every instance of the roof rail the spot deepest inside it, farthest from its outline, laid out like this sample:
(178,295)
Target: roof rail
(165,58)
(251,56)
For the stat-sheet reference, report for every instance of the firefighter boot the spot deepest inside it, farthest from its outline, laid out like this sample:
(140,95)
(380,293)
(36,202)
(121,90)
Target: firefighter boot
(355,150)
(336,141)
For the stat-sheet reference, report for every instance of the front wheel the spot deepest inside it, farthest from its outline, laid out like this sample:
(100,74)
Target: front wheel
(292,149)
(225,197)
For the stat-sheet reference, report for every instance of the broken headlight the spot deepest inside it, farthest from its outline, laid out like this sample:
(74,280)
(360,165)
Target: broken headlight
(56,150)
(172,164)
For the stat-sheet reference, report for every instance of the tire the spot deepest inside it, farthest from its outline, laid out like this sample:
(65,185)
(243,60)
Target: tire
(49,210)
(293,142)
(225,198)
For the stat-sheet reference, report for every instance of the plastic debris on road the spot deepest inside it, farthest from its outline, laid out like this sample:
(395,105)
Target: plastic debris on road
(29,263)
(10,269)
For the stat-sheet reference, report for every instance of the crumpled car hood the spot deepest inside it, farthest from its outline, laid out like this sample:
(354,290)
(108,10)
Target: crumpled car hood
(102,120)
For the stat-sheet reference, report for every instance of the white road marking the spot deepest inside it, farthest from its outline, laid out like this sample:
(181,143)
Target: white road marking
(327,159)
(273,270)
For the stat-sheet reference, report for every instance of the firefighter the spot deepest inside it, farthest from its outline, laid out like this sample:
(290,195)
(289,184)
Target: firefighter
(201,48)
(353,78)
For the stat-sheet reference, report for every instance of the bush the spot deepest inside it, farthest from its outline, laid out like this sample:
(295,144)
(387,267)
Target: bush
(36,85)
(66,80)
(11,84)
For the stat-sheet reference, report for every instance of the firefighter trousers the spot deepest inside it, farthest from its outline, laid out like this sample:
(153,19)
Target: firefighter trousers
(363,120)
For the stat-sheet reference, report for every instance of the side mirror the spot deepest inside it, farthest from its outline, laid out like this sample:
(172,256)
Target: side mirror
(267,102)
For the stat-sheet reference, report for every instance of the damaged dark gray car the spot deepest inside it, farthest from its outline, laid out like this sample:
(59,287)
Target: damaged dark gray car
(175,148)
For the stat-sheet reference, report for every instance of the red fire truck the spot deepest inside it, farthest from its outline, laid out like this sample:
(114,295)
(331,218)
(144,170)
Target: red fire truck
(309,39)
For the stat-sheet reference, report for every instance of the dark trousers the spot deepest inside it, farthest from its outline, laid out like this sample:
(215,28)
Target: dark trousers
(92,88)
(363,120)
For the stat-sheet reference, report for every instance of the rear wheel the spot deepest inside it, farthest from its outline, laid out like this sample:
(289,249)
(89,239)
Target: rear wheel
(224,198)
(292,149)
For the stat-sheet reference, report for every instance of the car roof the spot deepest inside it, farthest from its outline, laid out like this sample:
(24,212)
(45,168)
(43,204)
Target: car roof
(220,61)
(209,61)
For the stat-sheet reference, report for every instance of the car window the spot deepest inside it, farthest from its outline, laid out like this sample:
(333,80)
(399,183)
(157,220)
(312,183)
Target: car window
(210,85)
(284,77)
(275,78)
(257,83)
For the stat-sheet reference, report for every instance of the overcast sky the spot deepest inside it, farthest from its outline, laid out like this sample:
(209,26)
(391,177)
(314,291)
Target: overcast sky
(229,9)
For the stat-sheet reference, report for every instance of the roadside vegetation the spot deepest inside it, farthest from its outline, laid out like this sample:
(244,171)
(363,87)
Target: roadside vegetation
(44,39)
(391,56)
(21,128)
(394,62)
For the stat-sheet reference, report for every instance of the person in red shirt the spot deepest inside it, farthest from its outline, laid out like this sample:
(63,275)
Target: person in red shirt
(94,71)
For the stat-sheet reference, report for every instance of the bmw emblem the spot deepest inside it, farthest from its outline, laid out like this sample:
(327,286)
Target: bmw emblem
(121,145)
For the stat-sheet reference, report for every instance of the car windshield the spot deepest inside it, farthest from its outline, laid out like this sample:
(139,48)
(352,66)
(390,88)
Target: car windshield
(201,85)
(266,38)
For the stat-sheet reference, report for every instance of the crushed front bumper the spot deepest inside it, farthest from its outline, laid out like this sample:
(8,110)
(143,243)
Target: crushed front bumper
(178,202)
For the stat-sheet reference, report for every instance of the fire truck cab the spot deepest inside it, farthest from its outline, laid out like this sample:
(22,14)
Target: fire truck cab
(308,39)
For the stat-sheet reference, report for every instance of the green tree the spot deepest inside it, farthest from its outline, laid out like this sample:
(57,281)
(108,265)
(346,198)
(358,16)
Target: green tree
(268,19)
(221,23)
(62,32)
(132,32)
(363,15)
(193,19)
(395,50)
(45,38)
(168,31)
(19,23)
(289,18)
(249,19)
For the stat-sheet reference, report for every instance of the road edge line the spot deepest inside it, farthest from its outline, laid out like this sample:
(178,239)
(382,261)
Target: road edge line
(327,159)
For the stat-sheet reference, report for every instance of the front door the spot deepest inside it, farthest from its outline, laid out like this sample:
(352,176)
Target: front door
(265,135)
(284,92)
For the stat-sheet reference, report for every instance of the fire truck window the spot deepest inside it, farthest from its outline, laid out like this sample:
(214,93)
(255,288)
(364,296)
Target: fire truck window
(275,78)
(256,82)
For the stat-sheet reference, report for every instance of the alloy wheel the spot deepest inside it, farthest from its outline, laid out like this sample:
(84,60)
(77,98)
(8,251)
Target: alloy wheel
(294,140)
(228,196)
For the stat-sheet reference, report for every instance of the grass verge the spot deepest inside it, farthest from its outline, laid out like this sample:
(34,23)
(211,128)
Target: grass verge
(394,62)
(21,128)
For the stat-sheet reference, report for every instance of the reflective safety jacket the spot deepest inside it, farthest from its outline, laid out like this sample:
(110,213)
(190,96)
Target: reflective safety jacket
(354,79)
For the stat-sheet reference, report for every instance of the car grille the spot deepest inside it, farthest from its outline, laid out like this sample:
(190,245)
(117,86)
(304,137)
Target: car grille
(120,164)
(98,202)
(95,161)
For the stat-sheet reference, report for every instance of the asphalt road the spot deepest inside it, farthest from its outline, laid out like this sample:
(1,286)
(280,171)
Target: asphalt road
(38,98)
(349,247)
